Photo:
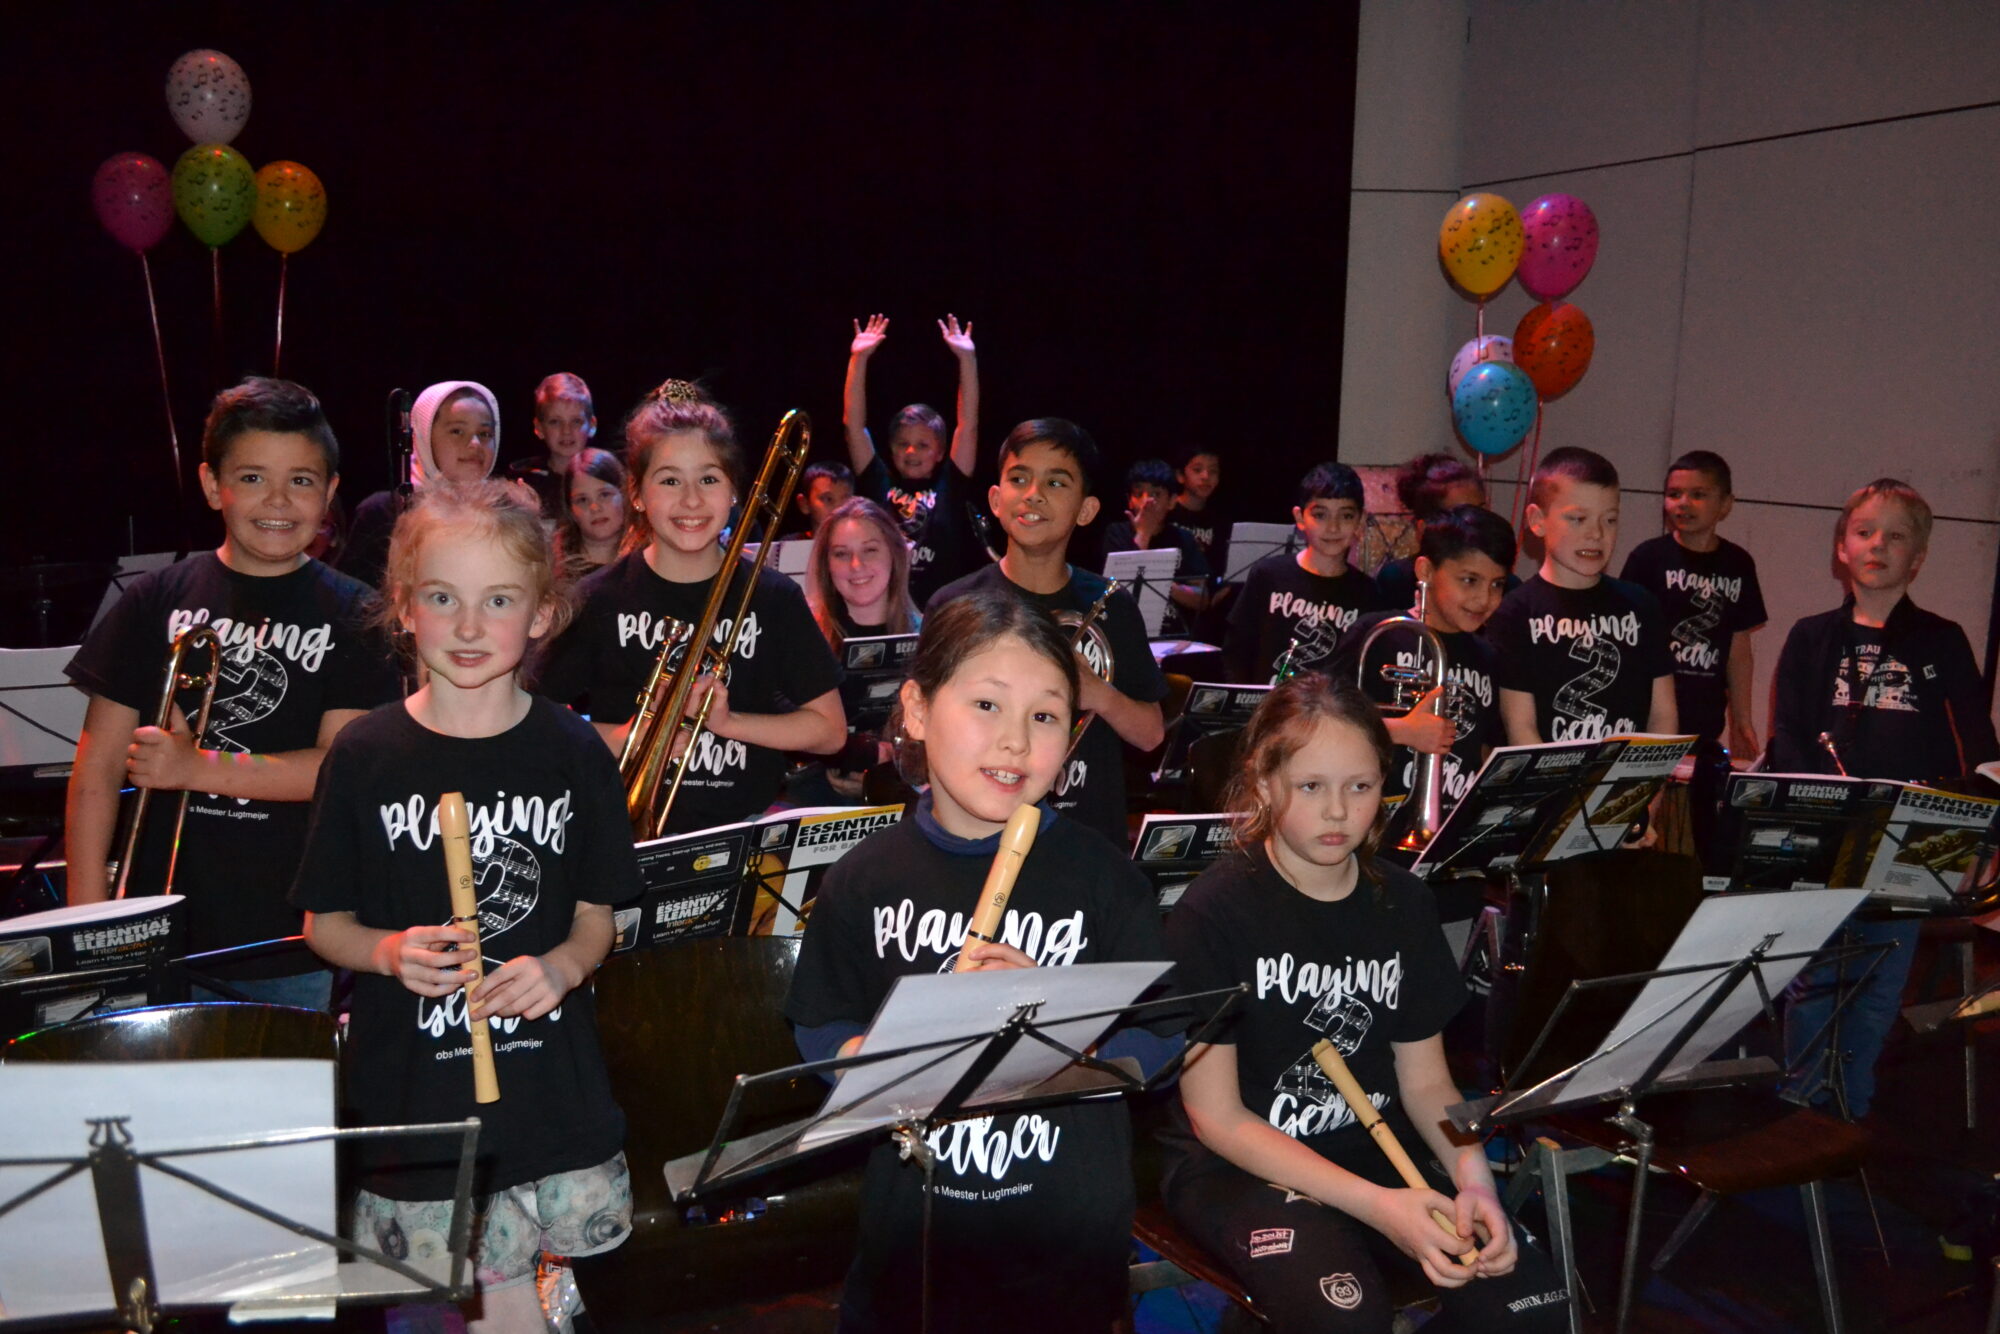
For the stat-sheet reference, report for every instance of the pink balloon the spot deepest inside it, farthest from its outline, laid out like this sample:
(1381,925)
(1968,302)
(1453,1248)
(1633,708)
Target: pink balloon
(134,196)
(1493,347)
(208,95)
(1560,235)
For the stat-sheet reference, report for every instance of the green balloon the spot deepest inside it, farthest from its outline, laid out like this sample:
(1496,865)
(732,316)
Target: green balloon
(214,192)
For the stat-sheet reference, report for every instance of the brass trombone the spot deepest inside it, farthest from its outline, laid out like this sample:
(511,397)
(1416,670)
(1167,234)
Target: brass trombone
(197,637)
(1091,644)
(657,748)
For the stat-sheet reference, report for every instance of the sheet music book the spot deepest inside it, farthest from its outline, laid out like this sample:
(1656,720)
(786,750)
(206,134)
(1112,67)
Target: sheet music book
(873,669)
(788,557)
(1149,577)
(1251,542)
(729,880)
(1553,801)
(1174,849)
(1805,831)
(57,964)
(1904,844)
(1213,706)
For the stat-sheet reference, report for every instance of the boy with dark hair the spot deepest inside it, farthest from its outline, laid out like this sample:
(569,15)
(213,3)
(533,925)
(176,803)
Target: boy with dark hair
(1197,473)
(565,423)
(1042,497)
(918,481)
(1462,568)
(1302,603)
(1428,485)
(1149,493)
(1707,587)
(1579,655)
(299,663)
(823,488)
(1876,688)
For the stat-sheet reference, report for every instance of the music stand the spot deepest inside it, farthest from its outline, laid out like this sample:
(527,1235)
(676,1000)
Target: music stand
(916,1084)
(1252,542)
(1148,575)
(100,1192)
(1705,991)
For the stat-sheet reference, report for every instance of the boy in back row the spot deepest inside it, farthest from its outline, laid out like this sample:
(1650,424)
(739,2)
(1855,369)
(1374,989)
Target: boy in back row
(1300,604)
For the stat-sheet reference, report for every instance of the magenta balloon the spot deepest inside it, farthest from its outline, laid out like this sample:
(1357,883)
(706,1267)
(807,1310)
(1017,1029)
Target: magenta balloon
(134,196)
(1560,245)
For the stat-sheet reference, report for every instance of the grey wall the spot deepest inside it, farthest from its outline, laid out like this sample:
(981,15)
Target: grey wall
(1815,297)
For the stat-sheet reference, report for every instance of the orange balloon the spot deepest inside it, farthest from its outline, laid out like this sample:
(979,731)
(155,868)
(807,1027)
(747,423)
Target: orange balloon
(1480,244)
(1554,344)
(290,208)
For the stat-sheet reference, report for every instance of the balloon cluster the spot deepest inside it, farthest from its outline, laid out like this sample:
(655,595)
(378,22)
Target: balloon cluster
(1497,385)
(212,186)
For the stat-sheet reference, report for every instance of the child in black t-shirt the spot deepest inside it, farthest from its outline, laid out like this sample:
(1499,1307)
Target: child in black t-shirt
(1042,498)
(1462,576)
(1031,1212)
(596,526)
(1428,485)
(1300,605)
(686,469)
(857,583)
(1707,587)
(823,488)
(923,487)
(299,663)
(1579,656)
(566,424)
(1198,469)
(1271,1170)
(1876,688)
(1149,488)
(472,584)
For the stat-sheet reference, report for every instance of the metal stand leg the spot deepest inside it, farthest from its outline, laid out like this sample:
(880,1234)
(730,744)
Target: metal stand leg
(1562,1239)
(1968,985)
(1628,1275)
(1822,1253)
(1703,1207)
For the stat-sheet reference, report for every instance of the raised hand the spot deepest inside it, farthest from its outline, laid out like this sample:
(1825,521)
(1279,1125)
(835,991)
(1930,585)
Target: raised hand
(957,339)
(868,339)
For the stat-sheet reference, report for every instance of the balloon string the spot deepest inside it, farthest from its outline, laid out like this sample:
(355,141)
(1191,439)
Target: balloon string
(1525,464)
(166,395)
(278,353)
(215,346)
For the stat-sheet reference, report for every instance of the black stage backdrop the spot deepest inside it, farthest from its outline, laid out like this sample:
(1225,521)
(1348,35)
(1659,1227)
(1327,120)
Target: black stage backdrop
(1142,206)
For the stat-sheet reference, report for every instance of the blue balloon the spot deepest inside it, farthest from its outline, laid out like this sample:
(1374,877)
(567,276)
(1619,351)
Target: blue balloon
(1494,407)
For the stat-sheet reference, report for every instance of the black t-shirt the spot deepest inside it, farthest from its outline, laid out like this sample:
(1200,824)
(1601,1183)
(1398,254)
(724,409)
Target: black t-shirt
(1366,971)
(602,660)
(1092,785)
(1280,600)
(1708,598)
(548,832)
(1033,1203)
(1209,527)
(1193,567)
(295,647)
(932,517)
(1589,656)
(366,552)
(1468,700)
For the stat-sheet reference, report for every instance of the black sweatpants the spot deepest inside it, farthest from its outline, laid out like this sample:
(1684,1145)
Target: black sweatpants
(1311,1268)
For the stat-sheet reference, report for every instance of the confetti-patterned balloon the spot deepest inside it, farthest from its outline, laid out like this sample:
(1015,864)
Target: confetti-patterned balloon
(209,96)
(1554,344)
(291,206)
(1561,234)
(214,192)
(1494,407)
(1493,347)
(134,197)
(1480,243)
